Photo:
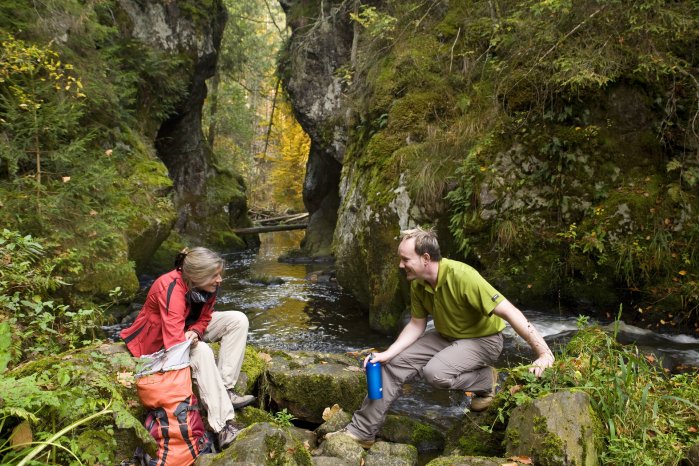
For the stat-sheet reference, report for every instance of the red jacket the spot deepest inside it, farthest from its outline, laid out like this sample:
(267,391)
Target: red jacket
(161,322)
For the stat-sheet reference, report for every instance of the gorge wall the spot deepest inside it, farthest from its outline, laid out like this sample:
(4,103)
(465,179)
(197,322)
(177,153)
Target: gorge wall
(112,157)
(553,146)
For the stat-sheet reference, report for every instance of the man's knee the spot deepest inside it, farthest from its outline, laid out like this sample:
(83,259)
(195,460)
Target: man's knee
(435,377)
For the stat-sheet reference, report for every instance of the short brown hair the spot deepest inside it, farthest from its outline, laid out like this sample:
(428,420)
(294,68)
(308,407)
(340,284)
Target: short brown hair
(425,242)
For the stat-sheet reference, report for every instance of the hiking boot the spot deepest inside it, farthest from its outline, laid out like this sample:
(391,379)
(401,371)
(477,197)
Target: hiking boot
(227,435)
(483,402)
(361,442)
(240,401)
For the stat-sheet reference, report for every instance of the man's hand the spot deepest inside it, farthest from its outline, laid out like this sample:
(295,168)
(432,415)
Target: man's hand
(193,337)
(541,363)
(376,357)
(506,310)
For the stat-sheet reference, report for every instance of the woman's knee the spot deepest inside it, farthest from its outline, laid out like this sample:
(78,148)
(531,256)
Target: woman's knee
(201,355)
(236,320)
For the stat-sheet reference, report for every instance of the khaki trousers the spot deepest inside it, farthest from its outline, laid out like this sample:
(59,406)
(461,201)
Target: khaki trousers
(455,365)
(213,380)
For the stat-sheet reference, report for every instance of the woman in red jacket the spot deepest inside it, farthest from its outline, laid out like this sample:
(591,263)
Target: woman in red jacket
(179,307)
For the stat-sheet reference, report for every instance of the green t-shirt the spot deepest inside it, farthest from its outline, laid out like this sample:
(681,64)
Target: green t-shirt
(460,304)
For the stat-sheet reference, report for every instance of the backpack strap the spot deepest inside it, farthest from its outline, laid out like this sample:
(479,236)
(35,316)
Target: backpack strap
(161,415)
(181,413)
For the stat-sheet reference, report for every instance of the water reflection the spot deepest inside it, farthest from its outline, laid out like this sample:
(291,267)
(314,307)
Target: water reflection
(296,314)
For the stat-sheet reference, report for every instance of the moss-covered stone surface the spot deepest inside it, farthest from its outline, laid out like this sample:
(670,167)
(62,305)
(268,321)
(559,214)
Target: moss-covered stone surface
(558,429)
(402,429)
(307,383)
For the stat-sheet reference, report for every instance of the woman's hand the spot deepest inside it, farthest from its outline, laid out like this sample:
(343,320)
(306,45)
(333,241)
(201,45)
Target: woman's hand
(193,337)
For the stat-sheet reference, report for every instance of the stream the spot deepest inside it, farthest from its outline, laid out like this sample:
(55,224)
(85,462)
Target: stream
(302,314)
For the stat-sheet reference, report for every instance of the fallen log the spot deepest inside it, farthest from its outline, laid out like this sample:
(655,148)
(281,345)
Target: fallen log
(270,228)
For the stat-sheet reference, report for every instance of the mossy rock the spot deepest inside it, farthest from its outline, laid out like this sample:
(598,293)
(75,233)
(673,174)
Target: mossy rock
(391,454)
(252,370)
(402,429)
(469,439)
(263,444)
(307,383)
(337,422)
(558,429)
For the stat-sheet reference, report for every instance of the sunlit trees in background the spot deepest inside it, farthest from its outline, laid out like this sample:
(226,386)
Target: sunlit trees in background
(245,99)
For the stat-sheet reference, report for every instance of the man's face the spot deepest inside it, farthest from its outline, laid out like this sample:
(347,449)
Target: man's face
(413,264)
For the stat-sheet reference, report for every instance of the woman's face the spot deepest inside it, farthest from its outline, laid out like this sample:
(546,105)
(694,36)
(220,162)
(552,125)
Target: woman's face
(212,283)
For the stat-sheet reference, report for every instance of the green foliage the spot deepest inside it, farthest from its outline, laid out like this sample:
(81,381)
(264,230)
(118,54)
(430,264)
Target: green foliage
(65,400)
(568,82)
(649,416)
(378,24)
(283,418)
(42,325)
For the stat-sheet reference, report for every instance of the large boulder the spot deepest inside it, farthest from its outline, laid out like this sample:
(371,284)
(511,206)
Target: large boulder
(391,454)
(556,429)
(264,443)
(402,429)
(307,383)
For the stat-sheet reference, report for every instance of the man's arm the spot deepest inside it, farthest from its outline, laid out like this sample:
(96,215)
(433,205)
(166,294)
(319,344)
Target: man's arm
(410,333)
(524,329)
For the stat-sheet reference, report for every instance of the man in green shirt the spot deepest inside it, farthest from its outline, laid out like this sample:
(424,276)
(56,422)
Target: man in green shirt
(469,316)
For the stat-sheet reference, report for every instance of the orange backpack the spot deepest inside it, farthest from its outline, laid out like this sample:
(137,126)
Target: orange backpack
(174,420)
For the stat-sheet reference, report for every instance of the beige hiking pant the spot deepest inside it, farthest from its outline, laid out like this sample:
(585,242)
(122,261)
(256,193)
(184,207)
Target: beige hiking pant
(213,380)
(456,365)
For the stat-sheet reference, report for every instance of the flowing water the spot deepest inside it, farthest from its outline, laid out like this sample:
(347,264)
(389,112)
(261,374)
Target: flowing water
(300,314)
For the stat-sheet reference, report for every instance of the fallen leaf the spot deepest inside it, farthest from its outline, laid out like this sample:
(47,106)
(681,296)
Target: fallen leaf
(265,357)
(93,213)
(353,369)
(650,358)
(515,388)
(125,378)
(692,429)
(66,179)
(330,412)
(21,436)
(508,464)
(108,152)
(521,459)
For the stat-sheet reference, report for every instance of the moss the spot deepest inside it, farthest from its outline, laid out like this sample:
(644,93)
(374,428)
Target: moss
(276,449)
(512,438)
(251,415)
(253,367)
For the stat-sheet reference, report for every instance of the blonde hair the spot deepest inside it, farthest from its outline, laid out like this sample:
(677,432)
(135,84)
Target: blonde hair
(425,242)
(199,265)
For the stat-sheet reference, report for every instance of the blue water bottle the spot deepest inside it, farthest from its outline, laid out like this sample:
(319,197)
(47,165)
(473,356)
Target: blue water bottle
(373,379)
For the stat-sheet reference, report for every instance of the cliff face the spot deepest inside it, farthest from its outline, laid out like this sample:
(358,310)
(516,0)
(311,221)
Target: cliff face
(318,94)
(559,164)
(191,32)
(118,88)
